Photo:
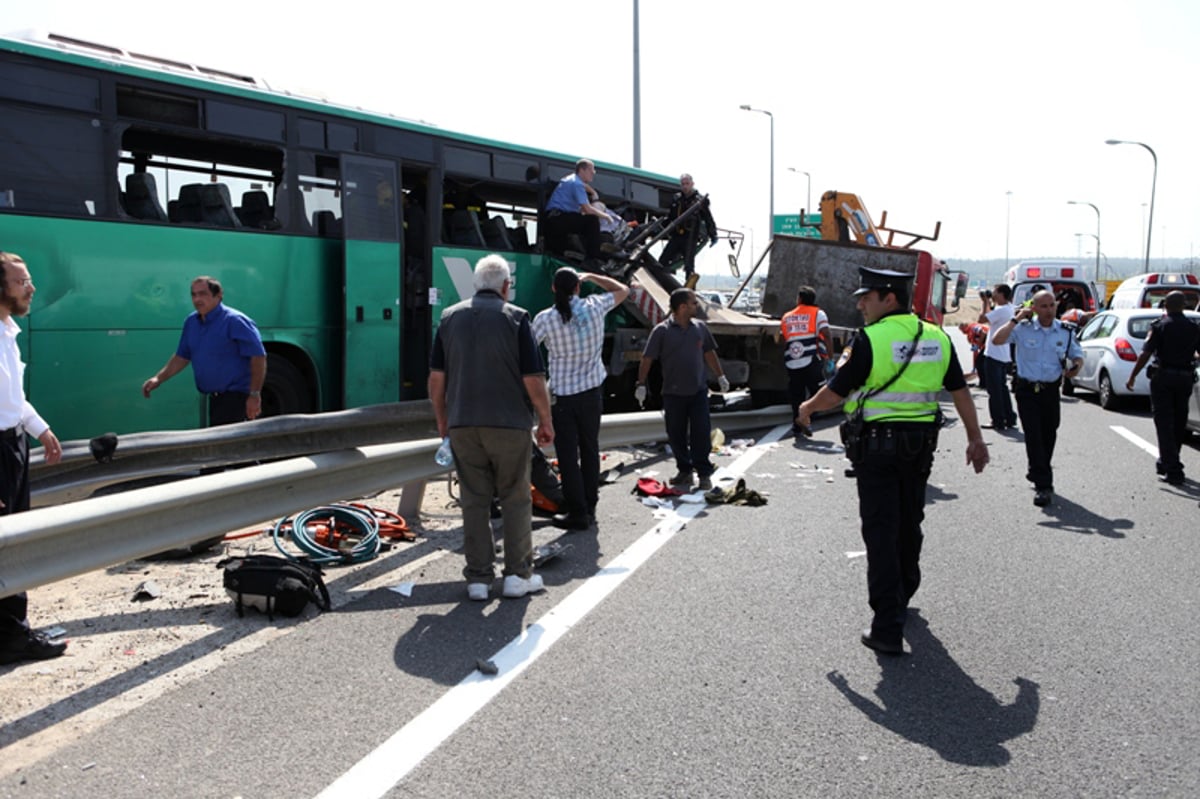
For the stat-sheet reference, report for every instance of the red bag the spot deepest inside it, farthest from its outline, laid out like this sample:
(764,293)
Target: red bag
(649,487)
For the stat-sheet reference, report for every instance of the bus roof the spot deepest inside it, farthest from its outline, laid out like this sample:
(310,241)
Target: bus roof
(113,59)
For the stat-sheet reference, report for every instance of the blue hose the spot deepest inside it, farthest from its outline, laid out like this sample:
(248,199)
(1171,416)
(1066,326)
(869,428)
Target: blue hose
(366,548)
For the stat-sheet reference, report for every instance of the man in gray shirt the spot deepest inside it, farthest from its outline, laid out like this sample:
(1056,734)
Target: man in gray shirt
(485,382)
(684,345)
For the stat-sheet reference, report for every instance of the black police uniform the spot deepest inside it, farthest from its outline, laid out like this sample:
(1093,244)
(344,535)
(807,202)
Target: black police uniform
(892,470)
(1173,341)
(685,236)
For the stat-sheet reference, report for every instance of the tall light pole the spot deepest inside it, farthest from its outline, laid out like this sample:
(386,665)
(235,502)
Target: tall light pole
(808,191)
(1153,185)
(771,226)
(1007,220)
(1097,210)
(637,90)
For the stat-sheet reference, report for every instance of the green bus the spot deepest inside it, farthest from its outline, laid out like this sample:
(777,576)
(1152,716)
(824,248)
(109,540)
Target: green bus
(342,233)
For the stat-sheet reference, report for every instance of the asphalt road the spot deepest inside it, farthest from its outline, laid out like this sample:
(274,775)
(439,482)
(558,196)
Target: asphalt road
(714,652)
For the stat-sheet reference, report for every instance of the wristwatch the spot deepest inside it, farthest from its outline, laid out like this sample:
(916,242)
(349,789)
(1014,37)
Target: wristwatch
(255,393)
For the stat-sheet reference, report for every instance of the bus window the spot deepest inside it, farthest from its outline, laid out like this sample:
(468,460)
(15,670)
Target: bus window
(321,193)
(171,178)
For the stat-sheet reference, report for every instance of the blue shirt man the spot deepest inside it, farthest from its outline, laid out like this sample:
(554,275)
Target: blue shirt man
(227,356)
(1044,348)
(570,210)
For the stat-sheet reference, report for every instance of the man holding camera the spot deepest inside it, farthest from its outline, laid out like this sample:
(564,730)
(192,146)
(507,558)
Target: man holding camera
(997,359)
(1044,349)
(889,383)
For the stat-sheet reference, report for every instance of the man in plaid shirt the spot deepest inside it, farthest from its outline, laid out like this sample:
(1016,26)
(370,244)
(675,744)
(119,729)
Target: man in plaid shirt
(573,334)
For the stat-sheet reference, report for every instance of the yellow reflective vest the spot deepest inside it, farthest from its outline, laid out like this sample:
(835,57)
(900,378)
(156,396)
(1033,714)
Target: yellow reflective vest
(912,397)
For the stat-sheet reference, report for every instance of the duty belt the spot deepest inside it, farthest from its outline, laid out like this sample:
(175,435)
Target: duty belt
(1034,385)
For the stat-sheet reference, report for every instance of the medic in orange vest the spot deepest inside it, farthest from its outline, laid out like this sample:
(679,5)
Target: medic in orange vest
(805,331)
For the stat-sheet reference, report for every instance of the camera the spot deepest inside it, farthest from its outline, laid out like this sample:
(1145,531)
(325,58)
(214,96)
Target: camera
(986,294)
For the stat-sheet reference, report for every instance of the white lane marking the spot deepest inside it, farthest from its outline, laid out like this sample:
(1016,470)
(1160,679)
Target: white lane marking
(1141,443)
(395,758)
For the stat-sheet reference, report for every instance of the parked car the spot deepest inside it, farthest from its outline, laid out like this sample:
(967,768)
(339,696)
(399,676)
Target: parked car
(1148,290)
(1112,342)
(1193,422)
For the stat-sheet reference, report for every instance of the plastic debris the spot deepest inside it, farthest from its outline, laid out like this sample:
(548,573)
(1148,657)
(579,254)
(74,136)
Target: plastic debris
(403,589)
(146,591)
(486,666)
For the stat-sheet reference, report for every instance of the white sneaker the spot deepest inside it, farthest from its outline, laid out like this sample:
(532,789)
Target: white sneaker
(516,586)
(477,591)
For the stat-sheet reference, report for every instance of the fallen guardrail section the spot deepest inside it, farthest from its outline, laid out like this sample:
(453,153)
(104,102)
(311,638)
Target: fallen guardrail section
(45,545)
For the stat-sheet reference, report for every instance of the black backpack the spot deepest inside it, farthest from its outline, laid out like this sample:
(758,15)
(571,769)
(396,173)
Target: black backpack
(272,584)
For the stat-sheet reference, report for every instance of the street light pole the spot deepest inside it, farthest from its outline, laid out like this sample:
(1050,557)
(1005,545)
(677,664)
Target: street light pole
(808,191)
(771,205)
(1097,210)
(1153,186)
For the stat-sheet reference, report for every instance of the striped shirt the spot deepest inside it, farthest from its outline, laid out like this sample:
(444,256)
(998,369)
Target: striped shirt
(574,348)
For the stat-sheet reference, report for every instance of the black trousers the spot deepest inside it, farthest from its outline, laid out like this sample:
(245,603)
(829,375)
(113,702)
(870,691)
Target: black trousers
(560,225)
(14,490)
(999,401)
(1040,414)
(680,245)
(802,384)
(892,474)
(227,407)
(1169,395)
(577,444)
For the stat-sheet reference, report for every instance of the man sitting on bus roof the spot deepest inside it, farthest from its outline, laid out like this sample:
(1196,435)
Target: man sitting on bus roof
(570,210)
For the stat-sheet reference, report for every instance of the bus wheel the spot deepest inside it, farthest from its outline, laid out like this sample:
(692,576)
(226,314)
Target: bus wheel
(285,389)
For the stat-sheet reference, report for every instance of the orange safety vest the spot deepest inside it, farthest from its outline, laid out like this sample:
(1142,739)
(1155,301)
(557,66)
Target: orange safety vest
(802,340)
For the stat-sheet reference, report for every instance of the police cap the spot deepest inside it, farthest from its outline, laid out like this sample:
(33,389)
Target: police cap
(880,280)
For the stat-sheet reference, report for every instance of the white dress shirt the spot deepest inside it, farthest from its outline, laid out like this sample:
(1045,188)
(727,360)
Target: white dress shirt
(14,408)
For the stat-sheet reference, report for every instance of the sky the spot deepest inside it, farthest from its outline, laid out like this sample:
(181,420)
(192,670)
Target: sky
(986,117)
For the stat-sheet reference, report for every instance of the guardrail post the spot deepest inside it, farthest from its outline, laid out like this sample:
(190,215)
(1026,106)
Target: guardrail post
(412,495)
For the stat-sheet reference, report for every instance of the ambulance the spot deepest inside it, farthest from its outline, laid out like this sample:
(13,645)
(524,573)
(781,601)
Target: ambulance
(1064,278)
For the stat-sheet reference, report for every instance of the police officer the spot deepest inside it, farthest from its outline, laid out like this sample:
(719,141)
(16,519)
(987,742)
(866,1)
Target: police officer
(1044,347)
(805,330)
(890,380)
(1174,342)
(686,234)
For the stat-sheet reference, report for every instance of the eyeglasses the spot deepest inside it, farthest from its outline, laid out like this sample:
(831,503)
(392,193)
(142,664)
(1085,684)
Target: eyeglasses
(25,282)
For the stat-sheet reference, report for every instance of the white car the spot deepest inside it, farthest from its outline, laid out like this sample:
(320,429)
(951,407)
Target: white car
(1112,341)
(1193,420)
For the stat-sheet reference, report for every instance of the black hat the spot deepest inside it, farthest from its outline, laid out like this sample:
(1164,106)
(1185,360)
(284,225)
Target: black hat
(880,280)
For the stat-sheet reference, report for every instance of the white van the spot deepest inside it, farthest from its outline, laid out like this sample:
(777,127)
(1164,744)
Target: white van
(1064,278)
(1148,290)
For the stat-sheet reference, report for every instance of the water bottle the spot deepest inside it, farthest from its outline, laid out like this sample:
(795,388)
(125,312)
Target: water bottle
(444,456)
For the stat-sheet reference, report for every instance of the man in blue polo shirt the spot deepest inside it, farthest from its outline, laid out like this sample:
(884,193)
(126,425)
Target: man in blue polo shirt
(570,210)
(226,353)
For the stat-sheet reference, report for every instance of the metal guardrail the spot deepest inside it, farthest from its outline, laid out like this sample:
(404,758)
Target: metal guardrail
(146,455)
(49,544)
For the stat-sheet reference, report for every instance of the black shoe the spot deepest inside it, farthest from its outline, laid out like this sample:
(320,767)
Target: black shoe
(1159,468)
(881,646)
(571,521)
(31,646)
(1042,497)
(1172,479)
(705,483)
(682,480)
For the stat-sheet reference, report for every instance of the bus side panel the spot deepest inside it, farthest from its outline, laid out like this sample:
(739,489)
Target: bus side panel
(454,270)
(112,296)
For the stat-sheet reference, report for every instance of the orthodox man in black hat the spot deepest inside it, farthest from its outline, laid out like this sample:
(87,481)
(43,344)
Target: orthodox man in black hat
(888,383)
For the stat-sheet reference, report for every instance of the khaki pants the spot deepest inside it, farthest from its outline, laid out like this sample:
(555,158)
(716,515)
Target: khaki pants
(494,461)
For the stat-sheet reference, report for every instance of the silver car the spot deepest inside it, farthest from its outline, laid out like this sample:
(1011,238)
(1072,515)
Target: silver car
(1112,341)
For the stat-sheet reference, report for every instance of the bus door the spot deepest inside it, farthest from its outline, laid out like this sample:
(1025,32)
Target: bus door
(372,277)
